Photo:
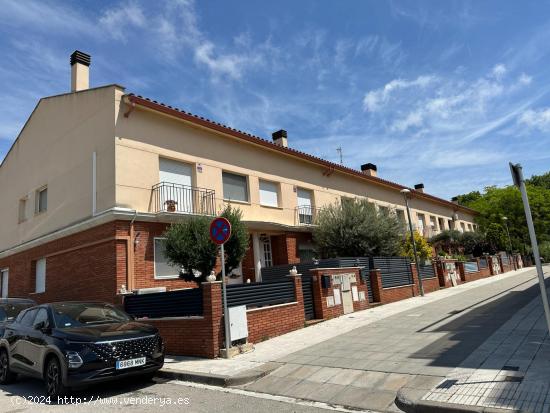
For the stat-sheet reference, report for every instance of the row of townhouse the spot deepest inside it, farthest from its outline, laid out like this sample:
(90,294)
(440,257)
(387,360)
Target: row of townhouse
(96,175)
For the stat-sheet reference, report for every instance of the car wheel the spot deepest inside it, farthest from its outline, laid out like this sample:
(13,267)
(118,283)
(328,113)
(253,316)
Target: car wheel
(54,379)
(6,375)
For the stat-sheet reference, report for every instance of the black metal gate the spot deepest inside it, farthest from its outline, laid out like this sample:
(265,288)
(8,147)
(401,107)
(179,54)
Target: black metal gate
(307,291)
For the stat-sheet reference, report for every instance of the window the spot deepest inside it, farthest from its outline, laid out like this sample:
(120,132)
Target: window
(400,215)
(269,193)
(4,274)
(23,209)
(441,224)
(235,187)
(421,223)
(450,224)
(383,210)
(40,275)
(41,200)
(28,317)
(462,227)
(41,317)
(162,268)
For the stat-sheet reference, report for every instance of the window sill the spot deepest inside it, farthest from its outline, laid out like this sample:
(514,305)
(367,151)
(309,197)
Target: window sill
(166,277)
(35,293)
(234,201)
(271,207)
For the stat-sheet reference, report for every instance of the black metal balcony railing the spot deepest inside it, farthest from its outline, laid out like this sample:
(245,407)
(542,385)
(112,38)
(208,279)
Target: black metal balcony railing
(306,215)
(183,199)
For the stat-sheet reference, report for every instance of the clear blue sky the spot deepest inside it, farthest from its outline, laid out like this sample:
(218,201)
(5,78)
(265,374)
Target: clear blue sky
(440,92)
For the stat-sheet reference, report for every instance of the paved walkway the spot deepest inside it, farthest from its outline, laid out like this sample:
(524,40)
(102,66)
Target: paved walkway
(274,349)
(364,368)
(511,370)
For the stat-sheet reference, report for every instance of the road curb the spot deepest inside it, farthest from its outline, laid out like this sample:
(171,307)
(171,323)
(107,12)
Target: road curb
(218,379)
(409,401)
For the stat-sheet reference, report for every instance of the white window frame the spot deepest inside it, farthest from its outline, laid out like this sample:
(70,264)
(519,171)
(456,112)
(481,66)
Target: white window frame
(247,183)
(37,200)
(277,193)
(40,283)
(160,277)
(421,218)
(266,250)
(4,282)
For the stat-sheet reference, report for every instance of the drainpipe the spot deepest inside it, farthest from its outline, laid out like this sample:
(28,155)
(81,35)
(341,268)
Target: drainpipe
(94,183)
(130,255)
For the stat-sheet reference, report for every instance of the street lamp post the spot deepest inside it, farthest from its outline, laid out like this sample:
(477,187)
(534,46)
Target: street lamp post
(505,219)
(406,192)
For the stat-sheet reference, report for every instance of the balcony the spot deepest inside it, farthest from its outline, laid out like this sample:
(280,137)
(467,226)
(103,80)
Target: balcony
(306,215)
(183,199)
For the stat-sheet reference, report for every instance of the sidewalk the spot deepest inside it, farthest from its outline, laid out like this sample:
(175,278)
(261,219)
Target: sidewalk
(509,372)
(266,355)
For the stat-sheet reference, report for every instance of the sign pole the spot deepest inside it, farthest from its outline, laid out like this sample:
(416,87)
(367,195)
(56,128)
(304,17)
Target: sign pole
(220,231)
(225,309)
(519,181)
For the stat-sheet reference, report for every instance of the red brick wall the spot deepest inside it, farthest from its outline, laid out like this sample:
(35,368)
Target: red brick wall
(81,266)
(249,272)
(430,284)
(322,310)
(197,336)
(264,323)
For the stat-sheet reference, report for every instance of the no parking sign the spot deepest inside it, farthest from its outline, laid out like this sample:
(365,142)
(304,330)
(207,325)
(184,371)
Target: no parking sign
(220,230)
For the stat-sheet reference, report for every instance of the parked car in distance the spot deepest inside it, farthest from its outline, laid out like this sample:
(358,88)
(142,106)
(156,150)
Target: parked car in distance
(74,344)
(11,307)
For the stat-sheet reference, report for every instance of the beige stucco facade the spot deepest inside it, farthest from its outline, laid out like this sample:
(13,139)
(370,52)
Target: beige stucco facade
(55,150)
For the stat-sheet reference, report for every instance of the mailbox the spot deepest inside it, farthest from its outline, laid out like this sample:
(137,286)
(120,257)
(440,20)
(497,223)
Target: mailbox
(325,281)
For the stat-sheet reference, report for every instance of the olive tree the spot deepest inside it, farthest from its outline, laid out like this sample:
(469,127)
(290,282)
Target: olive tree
(355,228)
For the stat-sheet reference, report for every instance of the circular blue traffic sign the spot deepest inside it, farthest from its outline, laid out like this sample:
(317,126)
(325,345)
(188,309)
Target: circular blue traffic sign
(220,230)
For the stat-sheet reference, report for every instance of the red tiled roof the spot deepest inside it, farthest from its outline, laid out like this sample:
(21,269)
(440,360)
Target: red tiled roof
(201,121)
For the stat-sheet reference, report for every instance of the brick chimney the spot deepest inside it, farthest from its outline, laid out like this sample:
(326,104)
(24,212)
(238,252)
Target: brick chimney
(80,71)
(419,188)
(280,138)
(369,169)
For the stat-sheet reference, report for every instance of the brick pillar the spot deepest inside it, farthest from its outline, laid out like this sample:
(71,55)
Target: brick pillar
(490,264)
(376,285)
(461,271)
(213,315)
(416,282)
(318,300)
(299,294)
(441,273)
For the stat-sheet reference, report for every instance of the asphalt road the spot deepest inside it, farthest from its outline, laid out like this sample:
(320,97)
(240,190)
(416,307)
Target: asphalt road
(26,395)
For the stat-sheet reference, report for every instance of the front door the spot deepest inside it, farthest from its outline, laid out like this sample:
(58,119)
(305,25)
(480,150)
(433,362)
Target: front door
(177,194)
(347,298)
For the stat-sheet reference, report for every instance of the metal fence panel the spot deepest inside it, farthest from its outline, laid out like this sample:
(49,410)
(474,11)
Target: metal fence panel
(505,259)
(180,303)
(483,263)
(261,294)
(427,271)
(471,266)
(395,271)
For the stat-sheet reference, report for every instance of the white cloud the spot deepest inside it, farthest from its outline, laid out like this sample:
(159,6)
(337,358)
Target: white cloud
(525,79)
(413,119)
(116,21)
(376,99)
(536,119)
(499,71)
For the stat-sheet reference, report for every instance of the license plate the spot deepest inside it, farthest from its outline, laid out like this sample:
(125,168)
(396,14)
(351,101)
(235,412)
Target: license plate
(125,364)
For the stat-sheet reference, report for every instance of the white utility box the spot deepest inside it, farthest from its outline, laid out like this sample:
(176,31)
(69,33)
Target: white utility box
(238,323)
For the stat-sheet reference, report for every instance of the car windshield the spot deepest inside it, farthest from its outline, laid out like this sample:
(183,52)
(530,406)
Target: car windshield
(67,315)
(9,311)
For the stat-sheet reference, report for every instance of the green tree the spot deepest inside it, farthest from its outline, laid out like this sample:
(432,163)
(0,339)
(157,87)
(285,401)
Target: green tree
(542,181)
(468,198)
(496,238)
(237,245)
(423,248)
(496,203)
(188,246)
(354,228)
(473,243)
(447,241)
